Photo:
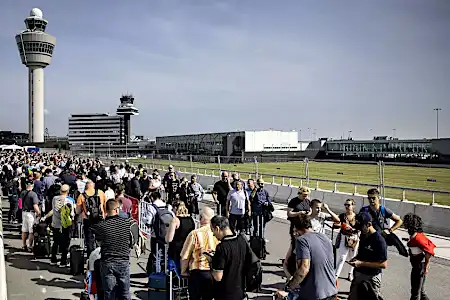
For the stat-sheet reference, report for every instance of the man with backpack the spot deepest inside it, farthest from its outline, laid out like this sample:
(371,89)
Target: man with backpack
(91,206)
(158,216)
(381,216)
(13,188)
(63,213)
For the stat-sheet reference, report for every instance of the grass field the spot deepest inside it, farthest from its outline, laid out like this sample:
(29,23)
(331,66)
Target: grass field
(401,176)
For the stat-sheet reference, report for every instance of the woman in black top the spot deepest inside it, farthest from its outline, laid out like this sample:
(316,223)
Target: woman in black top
(180,227)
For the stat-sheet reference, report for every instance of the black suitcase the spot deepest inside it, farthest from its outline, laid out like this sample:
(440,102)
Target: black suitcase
(77,255)
(41,248)
(258,242)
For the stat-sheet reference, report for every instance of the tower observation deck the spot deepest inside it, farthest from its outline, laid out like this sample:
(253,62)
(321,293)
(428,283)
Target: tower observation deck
(36,51)
(127,109)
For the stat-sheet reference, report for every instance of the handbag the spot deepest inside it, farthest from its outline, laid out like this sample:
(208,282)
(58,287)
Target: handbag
(351,240)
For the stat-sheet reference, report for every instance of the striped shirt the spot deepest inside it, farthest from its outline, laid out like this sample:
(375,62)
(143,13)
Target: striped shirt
(199,241)
(115,235)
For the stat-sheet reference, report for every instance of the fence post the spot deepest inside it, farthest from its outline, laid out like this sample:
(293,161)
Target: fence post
(153,161)
(381,181)
(307,171)
(170,162)
(256,167)
(220,165)
(191,163)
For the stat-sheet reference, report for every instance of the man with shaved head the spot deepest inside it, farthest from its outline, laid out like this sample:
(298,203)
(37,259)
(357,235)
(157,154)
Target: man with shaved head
(195,262)
(220,192)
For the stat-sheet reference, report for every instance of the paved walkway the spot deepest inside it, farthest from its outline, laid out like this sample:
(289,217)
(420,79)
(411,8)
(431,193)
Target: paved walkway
(37,280)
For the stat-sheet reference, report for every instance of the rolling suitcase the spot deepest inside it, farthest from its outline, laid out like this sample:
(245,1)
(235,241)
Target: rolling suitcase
(76,252)
(257,242)
(42,246)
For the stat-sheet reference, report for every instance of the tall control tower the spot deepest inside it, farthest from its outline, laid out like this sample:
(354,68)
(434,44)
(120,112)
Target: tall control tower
(36,50)
(127,109)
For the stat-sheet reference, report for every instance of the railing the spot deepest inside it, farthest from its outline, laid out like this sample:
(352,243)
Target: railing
(3,290)
(352,187)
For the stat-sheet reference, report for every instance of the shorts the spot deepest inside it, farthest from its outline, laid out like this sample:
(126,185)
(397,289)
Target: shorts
(28,219)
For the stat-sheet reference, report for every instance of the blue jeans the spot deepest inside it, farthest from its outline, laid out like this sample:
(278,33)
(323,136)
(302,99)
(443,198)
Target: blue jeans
(116,279)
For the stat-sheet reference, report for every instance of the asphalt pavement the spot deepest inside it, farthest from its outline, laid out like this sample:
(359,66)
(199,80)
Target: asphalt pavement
(37,280)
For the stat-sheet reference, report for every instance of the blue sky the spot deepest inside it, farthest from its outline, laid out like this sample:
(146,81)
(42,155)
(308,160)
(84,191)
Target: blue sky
(207,65)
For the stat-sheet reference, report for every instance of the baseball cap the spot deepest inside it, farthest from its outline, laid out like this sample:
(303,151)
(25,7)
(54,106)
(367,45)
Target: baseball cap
(363,218)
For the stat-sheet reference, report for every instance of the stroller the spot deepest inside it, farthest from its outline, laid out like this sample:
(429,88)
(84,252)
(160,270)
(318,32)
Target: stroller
(41,232)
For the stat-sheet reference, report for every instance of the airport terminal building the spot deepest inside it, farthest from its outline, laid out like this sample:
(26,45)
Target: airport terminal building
(229,143)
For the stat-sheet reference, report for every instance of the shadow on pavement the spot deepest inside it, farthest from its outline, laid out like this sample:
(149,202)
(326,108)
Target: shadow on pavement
(59,282)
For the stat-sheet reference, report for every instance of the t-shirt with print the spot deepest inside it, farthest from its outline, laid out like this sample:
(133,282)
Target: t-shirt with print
(297,205)
(318,222)
(372,248)
(230,258)
(380,220)
(320,283)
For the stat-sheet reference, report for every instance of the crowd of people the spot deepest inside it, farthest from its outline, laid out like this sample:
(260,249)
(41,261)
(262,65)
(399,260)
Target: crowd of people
(81,197)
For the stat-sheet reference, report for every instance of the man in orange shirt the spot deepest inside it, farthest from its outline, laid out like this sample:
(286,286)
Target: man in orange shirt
(92,206)
(194,262)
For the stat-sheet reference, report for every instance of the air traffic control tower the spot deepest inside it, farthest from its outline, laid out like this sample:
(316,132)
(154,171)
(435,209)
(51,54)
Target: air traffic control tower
(127,109)
(36,50)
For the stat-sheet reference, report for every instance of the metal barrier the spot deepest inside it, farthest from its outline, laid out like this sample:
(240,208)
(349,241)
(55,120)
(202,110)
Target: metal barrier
(3,289)
(429,196)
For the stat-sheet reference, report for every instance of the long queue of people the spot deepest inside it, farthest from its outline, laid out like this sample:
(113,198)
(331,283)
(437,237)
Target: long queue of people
(214,256)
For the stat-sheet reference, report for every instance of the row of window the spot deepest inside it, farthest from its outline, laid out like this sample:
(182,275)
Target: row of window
(41,47)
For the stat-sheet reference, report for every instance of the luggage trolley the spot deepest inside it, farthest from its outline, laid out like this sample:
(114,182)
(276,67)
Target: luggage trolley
(167,283)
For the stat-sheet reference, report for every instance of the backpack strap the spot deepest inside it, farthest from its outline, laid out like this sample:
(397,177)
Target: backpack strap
(383,211)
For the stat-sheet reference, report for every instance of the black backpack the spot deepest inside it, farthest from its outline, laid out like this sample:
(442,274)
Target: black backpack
(253,271)
(93,212)
(161,222)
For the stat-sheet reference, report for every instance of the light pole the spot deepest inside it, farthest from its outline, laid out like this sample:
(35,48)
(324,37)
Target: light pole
(126,146)
(393,132)
(309,131)
(437,121)
(350,134)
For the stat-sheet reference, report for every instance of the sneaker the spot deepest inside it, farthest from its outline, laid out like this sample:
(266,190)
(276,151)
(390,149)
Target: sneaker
(350,277)
(63,265)
(53,263)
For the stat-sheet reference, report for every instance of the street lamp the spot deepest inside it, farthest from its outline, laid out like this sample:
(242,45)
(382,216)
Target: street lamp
(393,132)
(437,120)
(350,134)
(126,146)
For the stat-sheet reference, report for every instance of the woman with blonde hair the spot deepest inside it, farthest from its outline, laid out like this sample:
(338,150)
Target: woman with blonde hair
(347,239)
(180,227)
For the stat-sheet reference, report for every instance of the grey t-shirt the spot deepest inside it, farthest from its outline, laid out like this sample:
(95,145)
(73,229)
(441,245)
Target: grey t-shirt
(320,282)
(29,198)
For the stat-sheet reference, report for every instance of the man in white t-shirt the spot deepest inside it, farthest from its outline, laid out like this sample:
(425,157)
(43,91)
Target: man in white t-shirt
(237,207)
(318,217)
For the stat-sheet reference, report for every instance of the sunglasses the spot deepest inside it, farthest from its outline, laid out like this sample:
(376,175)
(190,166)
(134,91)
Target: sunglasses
(347,205)
(371,198)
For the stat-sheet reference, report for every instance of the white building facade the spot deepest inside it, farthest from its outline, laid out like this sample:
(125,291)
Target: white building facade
(271,141)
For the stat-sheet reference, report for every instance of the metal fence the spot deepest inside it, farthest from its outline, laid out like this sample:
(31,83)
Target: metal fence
(419,183)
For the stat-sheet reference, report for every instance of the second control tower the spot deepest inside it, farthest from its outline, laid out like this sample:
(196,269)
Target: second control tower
(36,51)
(127,109)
